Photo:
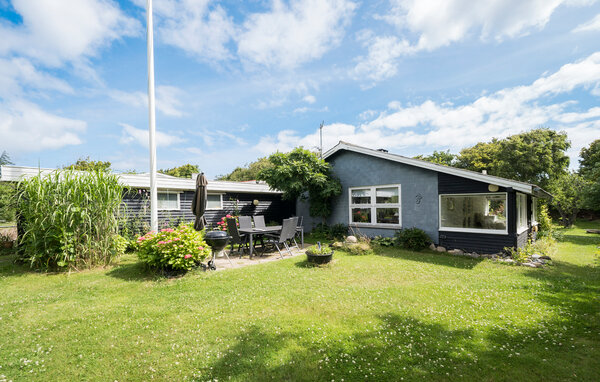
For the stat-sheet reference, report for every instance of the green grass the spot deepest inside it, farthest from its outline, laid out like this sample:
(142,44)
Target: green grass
(416,316)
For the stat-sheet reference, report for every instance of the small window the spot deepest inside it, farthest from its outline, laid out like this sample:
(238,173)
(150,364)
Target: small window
(168,201)
(534,211)
(521,212)
(375,206)
(473,213)
(214,202)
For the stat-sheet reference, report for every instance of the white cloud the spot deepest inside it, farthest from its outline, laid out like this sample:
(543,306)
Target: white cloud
(309,99)
(18,75)
(429,25)
(24,127)
(167,99)
(288,36)
(130,134)
(591,26)
(195,26)
(506,112)
(58,31)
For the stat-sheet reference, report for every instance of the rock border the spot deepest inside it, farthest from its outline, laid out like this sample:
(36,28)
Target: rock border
(535,261)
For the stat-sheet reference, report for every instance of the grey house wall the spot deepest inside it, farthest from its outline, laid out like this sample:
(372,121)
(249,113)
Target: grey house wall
(419,191)
(270,205)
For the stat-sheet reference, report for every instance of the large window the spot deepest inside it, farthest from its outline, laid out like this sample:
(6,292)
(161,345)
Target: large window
(521,212)
(214,202)
(375,206)
(484,213)
(168,200)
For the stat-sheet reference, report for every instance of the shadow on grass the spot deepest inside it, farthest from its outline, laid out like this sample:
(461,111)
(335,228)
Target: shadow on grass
(398,347)
(134,271)
(581,240)
(430,257)
(9,266)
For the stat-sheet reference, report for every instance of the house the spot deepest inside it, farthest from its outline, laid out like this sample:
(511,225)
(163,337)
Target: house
(384,192)
(175,197)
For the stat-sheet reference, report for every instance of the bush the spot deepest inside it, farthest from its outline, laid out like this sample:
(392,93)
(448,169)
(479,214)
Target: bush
(315,250)
(69,219)
(544,222)
(173,249)
(321,230)
(413,238)
(360,248)
(338,231)
(383,241)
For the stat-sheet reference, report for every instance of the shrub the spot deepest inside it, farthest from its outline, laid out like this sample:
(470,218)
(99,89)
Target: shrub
(173,249)
(319,249)
(412,238)
(338,231)
(222,225)
(383,241)
(360,248)
(544,222)
(69,219)
(321,230)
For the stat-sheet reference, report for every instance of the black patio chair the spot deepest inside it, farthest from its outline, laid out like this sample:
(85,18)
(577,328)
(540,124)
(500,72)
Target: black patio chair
(288,229)
(237,238)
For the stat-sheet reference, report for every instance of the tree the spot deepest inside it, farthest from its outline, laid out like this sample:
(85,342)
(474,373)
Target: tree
(301,174)
(184,171)
(248,172)
(590,158)
(439,157)
(567,190)
(5,159)
(591,193)
(86,164)
(537,156)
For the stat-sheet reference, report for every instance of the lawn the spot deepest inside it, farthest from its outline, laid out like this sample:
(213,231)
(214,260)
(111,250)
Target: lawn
(392,316)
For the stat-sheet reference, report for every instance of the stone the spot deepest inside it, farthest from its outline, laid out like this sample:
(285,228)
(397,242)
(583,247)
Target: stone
(530,265)
(432,246)
(535,256)
(455,252)
(545,258)
(509,261)
(351,239)
(474,255)
(440,249)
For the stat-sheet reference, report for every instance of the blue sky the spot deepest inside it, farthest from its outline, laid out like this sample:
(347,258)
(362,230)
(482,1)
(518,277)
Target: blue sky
(239,80)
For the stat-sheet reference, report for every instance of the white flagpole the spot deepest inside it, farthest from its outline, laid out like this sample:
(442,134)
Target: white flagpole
(152,121)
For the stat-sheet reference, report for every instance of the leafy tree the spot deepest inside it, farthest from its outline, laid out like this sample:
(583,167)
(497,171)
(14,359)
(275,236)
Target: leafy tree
(5,159)
(590,158)
(591,193)
(567,190)
(439,157)
(248,172)
(300,173)
(86,164)
(537,156)
(184,171)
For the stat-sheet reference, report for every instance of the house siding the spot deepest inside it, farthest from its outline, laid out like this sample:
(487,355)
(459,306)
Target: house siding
(419,190)
(270,205)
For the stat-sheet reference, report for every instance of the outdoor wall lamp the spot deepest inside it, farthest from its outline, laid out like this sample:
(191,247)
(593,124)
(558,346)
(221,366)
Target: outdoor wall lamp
(255,202)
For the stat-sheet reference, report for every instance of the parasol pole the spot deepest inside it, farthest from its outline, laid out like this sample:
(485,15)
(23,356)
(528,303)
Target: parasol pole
(152,121)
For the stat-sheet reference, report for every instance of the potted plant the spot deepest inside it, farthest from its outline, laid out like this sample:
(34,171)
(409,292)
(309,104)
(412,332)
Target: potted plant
(6,241)
(319,254)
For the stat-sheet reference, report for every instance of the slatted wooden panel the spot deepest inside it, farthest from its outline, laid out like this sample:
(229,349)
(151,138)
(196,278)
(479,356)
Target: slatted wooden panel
(270,205)
(476,242)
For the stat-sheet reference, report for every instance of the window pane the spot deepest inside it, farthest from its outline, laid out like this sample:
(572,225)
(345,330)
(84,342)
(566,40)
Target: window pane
(167,201)
(387,195)
(388,215)
(213,202)
(521,211)
(473,211)
(361,196)
(361,215)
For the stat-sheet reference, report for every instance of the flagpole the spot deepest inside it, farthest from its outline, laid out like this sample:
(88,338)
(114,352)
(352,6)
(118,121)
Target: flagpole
(152,122)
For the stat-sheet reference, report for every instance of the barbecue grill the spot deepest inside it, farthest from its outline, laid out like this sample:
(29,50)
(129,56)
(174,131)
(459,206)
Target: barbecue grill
(217,240)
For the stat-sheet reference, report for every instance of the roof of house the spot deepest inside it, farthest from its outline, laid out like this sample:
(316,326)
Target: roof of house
(164,182)
(490,179)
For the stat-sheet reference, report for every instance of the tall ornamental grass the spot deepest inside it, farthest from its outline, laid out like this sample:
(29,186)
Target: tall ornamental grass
(69,219)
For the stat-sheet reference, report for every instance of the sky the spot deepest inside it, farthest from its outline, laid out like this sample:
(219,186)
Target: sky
(240,80)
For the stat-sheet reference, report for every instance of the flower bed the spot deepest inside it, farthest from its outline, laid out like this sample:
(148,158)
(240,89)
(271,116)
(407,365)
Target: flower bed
(222,225)
(173,249)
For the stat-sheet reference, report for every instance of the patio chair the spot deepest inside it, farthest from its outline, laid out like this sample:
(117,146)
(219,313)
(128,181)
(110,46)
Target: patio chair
(237,238)
(292,238)
(245,222)
(288,230)
(259,221)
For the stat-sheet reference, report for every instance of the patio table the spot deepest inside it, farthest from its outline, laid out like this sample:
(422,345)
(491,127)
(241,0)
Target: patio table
(261,231)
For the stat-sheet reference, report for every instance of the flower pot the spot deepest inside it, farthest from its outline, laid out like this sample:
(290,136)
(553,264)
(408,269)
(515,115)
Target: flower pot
(319,259)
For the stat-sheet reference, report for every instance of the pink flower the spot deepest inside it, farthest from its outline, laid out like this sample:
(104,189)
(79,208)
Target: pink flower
(141,238)
(169,241)
(201,248)
(228,216)
(161,242)
(187,256)
(176,239)
(163,230)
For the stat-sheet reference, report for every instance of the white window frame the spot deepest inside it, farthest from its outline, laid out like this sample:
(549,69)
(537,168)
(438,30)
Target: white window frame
(374,205)
(534,211)
(474,230)
(170,193)
(521,202)
(220,202)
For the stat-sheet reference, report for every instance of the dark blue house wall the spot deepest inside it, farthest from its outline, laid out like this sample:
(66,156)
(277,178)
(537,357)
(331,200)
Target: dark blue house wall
(419,190)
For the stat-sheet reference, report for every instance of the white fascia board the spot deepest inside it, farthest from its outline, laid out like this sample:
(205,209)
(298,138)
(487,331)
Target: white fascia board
(17,173)
(523,187)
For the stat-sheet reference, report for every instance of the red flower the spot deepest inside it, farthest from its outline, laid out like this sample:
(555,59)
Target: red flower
(187,256)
